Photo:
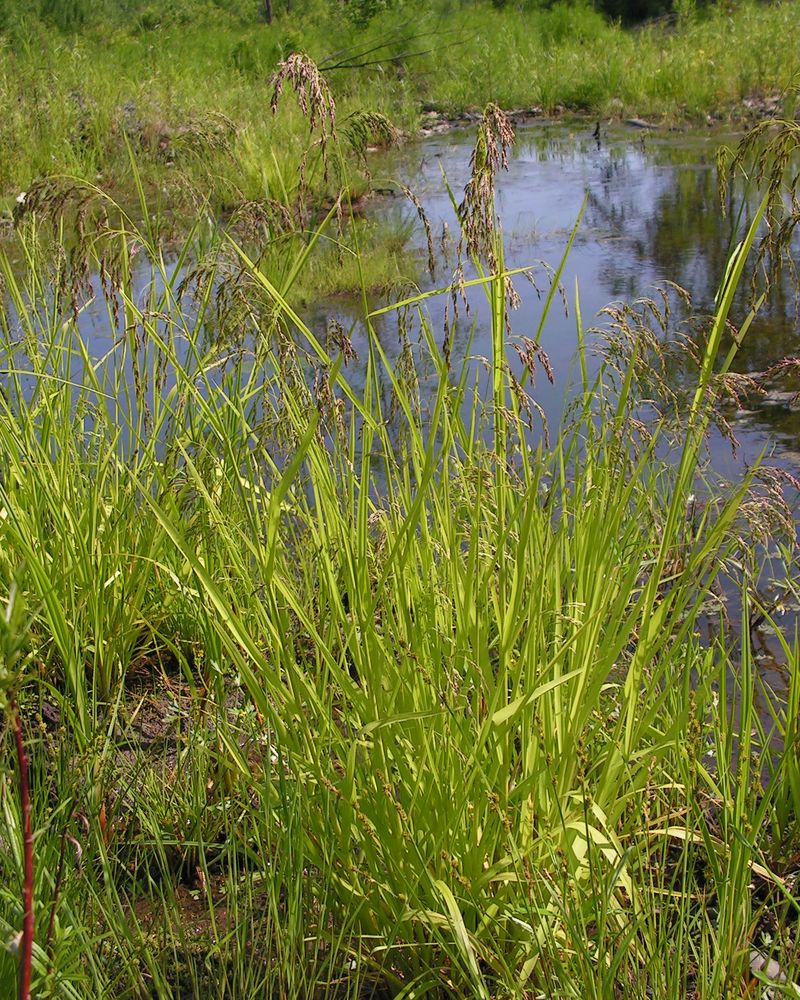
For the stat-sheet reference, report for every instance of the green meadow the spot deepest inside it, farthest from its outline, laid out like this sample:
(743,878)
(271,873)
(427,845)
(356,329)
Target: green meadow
(187,84)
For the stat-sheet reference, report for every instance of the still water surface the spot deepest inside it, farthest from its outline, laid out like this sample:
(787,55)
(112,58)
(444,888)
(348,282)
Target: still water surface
(652,215)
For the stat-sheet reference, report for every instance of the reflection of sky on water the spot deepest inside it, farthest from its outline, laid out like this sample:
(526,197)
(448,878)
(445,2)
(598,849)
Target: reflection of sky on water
(652,215)
(114,337)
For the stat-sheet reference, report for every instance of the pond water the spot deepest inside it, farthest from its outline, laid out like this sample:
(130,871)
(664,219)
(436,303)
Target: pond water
(652,216)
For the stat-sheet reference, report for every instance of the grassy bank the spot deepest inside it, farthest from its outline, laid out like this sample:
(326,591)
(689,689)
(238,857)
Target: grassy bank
(329,684)
(187,86)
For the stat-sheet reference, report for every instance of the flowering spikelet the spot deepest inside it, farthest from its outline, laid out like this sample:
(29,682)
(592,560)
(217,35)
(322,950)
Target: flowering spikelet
(313,93)
(476,211)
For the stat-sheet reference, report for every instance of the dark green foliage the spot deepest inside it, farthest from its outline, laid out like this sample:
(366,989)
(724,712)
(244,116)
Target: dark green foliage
(635,11)
(15,23)
(362,11)
(148,15)
(626,11)
(66,15)
(69,16)
(257,57)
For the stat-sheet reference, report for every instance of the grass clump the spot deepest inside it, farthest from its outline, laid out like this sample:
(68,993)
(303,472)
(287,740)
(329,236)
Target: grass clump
(333,685)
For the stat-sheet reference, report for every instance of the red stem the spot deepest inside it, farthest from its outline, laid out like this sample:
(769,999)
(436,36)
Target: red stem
(26,947)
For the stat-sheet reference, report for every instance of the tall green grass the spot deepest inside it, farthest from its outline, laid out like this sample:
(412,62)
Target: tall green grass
(323,690)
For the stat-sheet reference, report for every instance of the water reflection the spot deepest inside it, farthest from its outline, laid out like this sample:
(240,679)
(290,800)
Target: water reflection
(653,215)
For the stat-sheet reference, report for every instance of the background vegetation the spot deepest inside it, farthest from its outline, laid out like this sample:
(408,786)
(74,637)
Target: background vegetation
(187,85)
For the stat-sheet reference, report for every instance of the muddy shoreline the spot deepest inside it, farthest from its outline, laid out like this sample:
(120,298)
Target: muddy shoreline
(436,121)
